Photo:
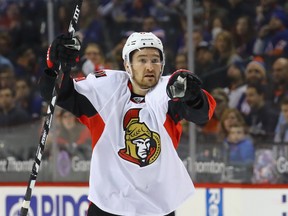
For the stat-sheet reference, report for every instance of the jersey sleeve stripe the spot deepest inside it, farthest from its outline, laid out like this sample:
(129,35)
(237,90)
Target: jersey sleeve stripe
(174,130)
(211,102)
(96,126)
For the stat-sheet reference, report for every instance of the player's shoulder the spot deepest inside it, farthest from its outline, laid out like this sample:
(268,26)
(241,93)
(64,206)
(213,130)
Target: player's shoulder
(105,76)
(110,74)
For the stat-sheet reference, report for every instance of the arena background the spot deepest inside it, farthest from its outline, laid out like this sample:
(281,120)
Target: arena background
(224,187)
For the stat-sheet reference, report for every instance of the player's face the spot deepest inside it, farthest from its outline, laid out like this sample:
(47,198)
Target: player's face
(146,69)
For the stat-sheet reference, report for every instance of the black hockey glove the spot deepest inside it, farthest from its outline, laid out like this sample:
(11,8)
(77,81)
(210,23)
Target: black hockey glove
(64,50)
(185,86)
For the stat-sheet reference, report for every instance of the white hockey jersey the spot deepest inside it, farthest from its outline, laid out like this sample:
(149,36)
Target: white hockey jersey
(135,169)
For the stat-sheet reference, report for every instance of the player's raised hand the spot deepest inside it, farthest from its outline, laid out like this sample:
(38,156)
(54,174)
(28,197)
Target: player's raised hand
(184,86)
(64,50)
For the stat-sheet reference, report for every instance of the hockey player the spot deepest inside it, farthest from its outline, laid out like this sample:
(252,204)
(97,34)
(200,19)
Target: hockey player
(134,119)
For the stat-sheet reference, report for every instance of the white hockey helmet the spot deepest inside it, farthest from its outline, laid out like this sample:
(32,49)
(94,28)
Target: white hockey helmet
(138,40)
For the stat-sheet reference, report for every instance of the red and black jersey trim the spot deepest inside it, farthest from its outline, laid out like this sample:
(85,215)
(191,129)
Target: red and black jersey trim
(100,73)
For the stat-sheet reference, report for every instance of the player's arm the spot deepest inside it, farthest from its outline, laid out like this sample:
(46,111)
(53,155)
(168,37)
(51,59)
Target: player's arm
(68,97)
(188,99)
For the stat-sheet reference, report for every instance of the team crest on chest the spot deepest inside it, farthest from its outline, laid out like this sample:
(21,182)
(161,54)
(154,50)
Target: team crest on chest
(142,146)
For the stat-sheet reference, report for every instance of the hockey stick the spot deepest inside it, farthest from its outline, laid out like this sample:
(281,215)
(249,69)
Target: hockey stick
(48,119)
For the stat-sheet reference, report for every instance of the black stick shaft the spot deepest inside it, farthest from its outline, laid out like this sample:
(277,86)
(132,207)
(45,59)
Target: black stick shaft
(48,121)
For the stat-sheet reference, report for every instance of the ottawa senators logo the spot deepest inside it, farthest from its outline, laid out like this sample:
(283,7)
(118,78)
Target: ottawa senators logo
(142,146)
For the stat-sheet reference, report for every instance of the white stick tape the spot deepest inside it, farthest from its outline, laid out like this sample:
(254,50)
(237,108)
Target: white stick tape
(26,204)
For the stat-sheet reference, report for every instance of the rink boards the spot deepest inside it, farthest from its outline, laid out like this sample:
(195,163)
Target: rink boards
(210,200)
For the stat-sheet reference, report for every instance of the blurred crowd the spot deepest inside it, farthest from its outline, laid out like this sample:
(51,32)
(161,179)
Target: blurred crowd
(240,53)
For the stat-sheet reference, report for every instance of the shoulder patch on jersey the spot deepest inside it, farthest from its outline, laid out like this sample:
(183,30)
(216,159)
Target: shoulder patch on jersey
(100,73)
(79,79)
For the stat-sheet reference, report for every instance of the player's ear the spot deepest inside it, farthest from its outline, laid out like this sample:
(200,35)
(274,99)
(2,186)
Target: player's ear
(127,67)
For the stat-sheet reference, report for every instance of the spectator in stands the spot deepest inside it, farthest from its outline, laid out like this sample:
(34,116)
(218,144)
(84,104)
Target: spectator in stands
(238,8)
(218,25)
(236,88)
(229,117)
(279,75)
(69,136)
(7,76)
(197,38)
(206,68)
(281,131)
(26,64)
(181,61)
(255,71)
(224,49)
(5,61)
(91,26)
(10,114)
(137,10)
(119,15)
(211,129)
(21,30)
(211,9)
(272,38)
(113,13)
(244,36)
(261,120)
(94,59)
(263,11)
(5,49)
(240,153)
(28,99)
(72,136)
(165,10)
(11,17)
(240,145)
